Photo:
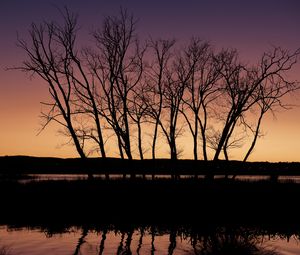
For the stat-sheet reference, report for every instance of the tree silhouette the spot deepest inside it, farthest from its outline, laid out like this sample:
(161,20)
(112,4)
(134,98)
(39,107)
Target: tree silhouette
(243,86)
(138,111)
(201,90)
(49,51)
(156,79)
(274,88)
(172,99)
(119,85)
(119,71)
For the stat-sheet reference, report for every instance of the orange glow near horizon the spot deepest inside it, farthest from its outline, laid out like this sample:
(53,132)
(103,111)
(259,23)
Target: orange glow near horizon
(18,134)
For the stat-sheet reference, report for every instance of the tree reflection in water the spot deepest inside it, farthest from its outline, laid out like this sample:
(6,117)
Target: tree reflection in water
(153,232)
(172,239)
(220,241)
(81,240)
(167,240)
(233,243)
(101,249)
(142,232)
(120,248)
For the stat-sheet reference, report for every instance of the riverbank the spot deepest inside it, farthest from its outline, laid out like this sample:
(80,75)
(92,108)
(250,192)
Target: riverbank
(18,165)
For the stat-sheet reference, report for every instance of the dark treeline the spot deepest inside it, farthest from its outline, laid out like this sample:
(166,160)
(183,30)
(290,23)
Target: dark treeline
(12,167)
(146,94)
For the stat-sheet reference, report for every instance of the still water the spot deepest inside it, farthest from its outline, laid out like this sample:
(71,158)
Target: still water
(143,240)
(72,177)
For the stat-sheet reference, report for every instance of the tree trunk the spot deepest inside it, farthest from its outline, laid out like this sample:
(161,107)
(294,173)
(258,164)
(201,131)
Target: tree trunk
(120,147)
(154,139)
(222,141)
(173,148)
(100,137)
(195,137)
(255,138)
(195,147)
(204,144)
(127,132)
(75,139)
(128,151)
(203,131)
(225,153)
(140,140)
(225,146)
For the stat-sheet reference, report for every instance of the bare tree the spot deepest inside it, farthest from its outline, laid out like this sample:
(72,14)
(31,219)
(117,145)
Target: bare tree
(235,94)
(202,89)
(273,88)
(86,93)
(111,85)
(243,86)
(174,87)
(138,111)
(49,52)
(156,79)
(119,70)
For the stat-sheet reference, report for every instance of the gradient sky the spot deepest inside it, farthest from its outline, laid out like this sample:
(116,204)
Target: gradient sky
(251,26)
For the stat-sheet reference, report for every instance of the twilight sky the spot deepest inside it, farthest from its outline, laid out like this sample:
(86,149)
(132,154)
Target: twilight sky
(251,26)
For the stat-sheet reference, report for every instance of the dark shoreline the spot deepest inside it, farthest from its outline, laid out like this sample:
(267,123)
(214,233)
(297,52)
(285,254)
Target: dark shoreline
(14,165)
(139,201)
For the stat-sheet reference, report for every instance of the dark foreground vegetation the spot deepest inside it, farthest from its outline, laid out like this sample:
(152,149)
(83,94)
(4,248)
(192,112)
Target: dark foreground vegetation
(160,201)
(219,216)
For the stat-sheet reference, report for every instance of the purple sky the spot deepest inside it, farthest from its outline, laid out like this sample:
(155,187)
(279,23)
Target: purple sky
(245,24)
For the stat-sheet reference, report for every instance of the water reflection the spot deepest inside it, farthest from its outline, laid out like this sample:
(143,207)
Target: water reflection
(4,250)
(125,243)
(231,243)
(81,240)
(172,245)
(142,232)
(101,249)
(148,240)
(73,177)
